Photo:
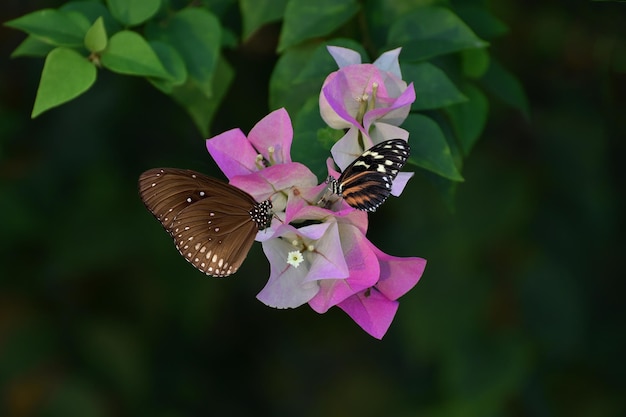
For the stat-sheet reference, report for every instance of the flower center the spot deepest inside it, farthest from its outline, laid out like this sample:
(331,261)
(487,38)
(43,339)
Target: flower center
(366,102)
(270,150)
(260,161)
(295,258)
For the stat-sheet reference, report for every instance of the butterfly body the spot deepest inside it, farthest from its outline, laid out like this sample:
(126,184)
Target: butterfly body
(366,183)
(213,224)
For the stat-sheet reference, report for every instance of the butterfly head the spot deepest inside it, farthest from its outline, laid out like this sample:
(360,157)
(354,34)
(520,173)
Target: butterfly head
(333,185)
(262,214)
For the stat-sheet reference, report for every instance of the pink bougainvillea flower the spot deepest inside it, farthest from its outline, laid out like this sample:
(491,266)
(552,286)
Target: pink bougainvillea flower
(388,61)
(268,143)
(364,95)
(371,310)
(344,56)
(298,259)
(303,258)
(260,163)
(374,308)
(370,101)
(320,255)
(361,95)
(274,183)
(363,270)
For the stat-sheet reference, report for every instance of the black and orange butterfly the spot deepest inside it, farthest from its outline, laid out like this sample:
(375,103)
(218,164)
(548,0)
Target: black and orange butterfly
(213,223)
(366,183)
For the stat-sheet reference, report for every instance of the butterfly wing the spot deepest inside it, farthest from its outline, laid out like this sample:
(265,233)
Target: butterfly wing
(366,183)
(209,220)
(214,236)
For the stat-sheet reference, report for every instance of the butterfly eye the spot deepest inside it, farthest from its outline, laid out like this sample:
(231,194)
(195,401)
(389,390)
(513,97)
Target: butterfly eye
(366,183)
(213,223)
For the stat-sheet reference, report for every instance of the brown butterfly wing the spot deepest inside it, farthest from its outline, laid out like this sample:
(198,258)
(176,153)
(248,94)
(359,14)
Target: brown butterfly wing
(208,219)
(214,236)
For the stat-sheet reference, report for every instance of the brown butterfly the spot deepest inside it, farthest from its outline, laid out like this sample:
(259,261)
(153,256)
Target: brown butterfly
(213,223)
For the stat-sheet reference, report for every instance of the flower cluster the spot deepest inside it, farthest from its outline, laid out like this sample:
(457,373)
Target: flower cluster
(319,255)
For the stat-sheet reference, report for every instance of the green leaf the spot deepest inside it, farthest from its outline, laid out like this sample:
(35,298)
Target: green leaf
(445,188)
(32,46)
(300,72)
(92,10)
(133,12)
(55,27)
(65,75)
(194,100)
(433,88)
(486,25)
(173,64)
(315,138)
(429,148)
(380,15)
(256,13)
(96,37)
(504,85)
(469,118)
(431,31)
(284,92)
(305,19)
(129,53)
(79,20)
(475,62)
(196,36)
(230,40)
(321,62)
(220,8)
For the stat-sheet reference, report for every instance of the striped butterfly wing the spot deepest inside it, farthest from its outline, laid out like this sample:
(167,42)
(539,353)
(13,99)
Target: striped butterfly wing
(366,183)
(213,224)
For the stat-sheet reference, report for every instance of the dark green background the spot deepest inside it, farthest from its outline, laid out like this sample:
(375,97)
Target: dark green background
(520,311)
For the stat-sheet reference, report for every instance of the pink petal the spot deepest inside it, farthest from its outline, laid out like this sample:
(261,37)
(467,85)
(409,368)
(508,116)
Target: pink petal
(302,211)
(233,153)
(344,56)
(328,261)
(400,182)
(347,149)
(357,80)
(402,102)
(330,117)
(373,312)
(398,275)
(353,217)
(313,231)
(286,287)
(363,271)
(338,106)
(380,132)
(274,131)
(263,184)
(388,62)
(330,165)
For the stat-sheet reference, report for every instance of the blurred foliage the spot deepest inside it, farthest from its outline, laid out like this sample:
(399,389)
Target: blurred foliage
(179,47)
(520,311)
